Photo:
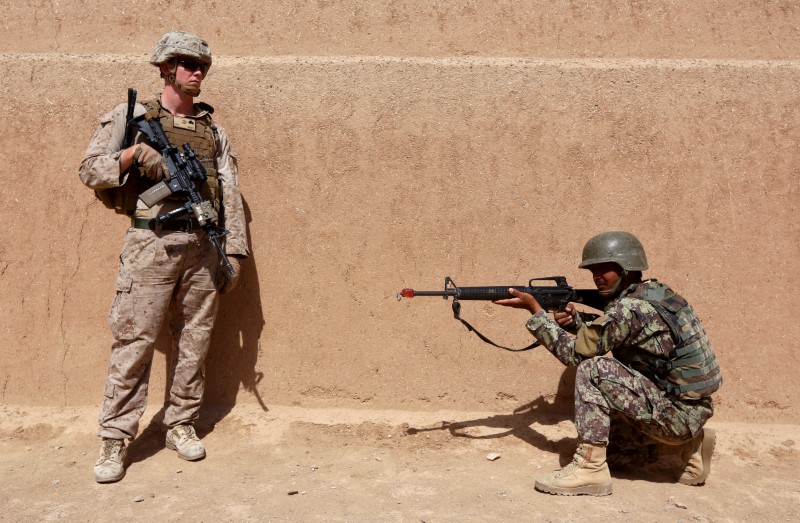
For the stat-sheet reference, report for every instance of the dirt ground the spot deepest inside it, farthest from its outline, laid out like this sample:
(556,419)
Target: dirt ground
(295,464)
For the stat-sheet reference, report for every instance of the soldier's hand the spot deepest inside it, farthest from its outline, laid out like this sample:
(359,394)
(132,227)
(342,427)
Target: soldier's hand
(520,300)
(231,281)
(567,317)
(149,161)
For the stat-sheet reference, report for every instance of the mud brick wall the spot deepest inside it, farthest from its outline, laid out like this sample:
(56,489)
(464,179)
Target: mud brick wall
(388,145)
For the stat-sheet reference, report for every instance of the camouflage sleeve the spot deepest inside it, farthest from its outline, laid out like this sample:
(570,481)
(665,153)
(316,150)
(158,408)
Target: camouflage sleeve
(554,338)
(633,322)
(627,322)
(614,327)
(100,166)
(233,207)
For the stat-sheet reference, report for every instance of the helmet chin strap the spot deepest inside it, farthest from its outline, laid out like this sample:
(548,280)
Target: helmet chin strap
(610,293)
(191,91)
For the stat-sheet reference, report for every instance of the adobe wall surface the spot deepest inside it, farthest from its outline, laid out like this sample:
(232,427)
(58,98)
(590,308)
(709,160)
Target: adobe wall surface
(389,146)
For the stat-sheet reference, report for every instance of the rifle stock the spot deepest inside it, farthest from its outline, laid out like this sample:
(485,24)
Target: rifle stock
(129,130)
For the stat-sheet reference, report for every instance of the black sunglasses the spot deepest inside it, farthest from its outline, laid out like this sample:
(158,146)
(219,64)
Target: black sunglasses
(193,65)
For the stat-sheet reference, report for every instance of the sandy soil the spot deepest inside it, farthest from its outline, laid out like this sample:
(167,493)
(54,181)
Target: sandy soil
(294,464)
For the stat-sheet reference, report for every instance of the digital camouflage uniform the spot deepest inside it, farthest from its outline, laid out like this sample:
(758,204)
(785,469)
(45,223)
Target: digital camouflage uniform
(164,275)
(615,404)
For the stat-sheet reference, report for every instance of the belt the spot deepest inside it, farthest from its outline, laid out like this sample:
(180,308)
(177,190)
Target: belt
(173,225)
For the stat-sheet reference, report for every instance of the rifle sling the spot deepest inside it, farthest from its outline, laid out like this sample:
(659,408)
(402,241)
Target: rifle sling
(457,315)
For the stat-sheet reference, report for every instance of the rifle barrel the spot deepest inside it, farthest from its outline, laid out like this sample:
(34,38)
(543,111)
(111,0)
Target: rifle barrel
(410,293)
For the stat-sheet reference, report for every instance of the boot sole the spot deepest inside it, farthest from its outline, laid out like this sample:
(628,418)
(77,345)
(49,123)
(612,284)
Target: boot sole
(707,451)
(586,490)
(112,479)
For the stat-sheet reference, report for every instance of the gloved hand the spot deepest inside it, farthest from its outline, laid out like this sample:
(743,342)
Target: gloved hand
(149,161)
(230,282)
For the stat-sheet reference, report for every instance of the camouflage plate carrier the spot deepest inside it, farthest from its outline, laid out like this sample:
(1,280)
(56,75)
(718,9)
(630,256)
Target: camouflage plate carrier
(690,370)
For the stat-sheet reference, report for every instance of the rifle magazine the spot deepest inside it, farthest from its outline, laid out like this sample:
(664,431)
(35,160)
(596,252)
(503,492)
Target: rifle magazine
(155,194)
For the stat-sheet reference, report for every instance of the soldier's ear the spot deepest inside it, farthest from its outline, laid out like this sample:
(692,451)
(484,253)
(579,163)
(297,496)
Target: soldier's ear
(167,68)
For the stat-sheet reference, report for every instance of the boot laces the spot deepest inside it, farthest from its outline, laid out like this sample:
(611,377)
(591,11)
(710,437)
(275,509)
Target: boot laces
(112,448)
(568,470)
(185,432)
(577,459)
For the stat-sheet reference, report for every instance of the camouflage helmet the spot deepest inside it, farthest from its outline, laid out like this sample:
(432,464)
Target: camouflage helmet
(180,43)
(622,248)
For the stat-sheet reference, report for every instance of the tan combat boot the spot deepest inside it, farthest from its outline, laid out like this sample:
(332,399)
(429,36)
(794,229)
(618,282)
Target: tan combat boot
(183,439)
(696,454)
(110,466)
(587,474)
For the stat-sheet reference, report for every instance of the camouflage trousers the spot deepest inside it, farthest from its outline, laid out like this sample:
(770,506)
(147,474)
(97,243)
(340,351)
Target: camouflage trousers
(163,276)
(618,406)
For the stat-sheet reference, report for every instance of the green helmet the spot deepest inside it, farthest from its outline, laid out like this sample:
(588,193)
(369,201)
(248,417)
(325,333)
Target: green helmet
(622,248)
(179,43)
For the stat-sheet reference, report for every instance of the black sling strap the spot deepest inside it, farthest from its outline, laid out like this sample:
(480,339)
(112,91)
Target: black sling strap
(457,315)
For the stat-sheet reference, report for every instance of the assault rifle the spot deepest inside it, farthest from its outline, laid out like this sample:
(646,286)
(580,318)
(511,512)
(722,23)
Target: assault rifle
(185,170)
(550,297)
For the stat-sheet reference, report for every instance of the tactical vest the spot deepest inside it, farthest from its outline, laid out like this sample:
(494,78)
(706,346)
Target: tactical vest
(690,370)
(201,134)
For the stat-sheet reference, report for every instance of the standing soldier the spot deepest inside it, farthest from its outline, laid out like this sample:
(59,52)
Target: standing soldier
(657,385)
(170,272)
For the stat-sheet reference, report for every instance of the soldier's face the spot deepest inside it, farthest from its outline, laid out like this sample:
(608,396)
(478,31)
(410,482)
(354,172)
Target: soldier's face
(605,275)
(189,72)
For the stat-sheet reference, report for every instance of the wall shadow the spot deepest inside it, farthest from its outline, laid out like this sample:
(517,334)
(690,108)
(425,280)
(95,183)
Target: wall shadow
(653,463)
(518,422)
(150,440)
(235,346)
